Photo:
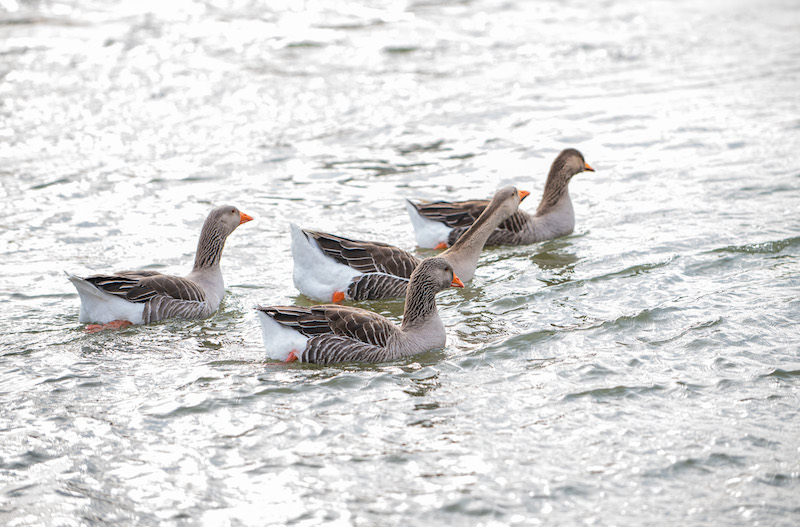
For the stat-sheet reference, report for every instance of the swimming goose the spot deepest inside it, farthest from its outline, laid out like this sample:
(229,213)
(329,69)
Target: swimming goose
(140,297)
(441,223)
(332,333)
(331,268)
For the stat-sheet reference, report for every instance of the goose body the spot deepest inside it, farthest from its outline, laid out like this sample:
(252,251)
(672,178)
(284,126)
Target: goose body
(141,297)
(327,334)
(332,268)
(440,224)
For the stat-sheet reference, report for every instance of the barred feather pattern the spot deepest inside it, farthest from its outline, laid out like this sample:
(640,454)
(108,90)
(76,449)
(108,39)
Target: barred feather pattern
(120,283)
(338,333)
(567,164)
(512,231)
(345,333)
(452,213)
(164,296)
(421,295)
(161,307)
(330,349)
(310,321)
(346,321)
(375,286)
(211,243)
(521,228)
(366,257)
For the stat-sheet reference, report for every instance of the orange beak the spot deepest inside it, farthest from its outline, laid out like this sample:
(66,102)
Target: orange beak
(244,218)
(456,282)
(587,167)
(523,194)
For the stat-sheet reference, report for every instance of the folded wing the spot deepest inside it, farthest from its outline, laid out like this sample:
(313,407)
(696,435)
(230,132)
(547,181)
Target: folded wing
(366,257)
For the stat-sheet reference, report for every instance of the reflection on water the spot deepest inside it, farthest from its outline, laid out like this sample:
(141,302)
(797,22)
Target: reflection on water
(558,263)
(643,367)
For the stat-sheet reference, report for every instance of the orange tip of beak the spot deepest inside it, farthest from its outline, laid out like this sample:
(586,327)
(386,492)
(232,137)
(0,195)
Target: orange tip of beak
(338,296)
(587,167)
(523,194)
(456,282)
(244,218)
(441,245)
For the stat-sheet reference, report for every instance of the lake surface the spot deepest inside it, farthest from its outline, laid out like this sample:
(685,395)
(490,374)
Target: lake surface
(643,370)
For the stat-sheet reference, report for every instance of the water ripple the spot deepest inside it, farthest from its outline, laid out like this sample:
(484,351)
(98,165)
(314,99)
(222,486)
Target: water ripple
(643,367)
(770,247)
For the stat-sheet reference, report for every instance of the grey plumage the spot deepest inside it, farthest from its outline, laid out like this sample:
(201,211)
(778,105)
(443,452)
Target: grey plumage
(554,216)
(377,285)
(161,296)
(366,257)
(386,269)
(345,333)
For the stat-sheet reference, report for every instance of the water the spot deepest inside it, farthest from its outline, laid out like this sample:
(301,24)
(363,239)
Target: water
(644,369)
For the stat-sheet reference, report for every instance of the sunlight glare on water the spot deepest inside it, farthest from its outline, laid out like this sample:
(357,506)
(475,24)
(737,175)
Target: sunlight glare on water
(643,369)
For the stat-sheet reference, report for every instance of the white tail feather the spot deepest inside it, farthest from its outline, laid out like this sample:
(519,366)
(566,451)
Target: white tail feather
(315,274)
(279,340)
(429,233)
(98,306)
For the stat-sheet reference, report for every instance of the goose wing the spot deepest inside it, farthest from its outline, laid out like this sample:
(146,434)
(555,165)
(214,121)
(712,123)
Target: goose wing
(330,349)
(121,283)
(164,296)
(366,257)
(453,213)
(374,286)
(507,232)
(143,286)
(343,321)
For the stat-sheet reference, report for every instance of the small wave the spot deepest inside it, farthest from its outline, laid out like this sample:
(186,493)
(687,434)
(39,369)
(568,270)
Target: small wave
(643,317)
(66,378)
(514,345)
(633,270)
(615,392)
(191,404)
(25,461)
(378,167)
(704,465)
(682,333)
(779,373)
(780,480)
(769,247)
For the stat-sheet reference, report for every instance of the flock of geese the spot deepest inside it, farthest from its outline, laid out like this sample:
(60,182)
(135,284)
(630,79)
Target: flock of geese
(332,269)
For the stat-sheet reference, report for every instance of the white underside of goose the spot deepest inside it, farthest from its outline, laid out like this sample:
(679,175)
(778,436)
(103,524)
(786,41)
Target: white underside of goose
(315,274)
(429,233)
(279,340)
(101,307)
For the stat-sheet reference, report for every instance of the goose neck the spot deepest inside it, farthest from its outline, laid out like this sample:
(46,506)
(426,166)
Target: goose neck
(209,247)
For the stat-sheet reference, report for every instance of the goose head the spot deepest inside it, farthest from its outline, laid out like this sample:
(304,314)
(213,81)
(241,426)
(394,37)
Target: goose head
(568,163)
(435,273)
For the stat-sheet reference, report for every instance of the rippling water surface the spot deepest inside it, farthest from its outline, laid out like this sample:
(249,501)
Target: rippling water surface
(644,369)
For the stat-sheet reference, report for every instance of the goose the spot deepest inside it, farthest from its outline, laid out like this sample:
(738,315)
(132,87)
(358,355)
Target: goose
(439,224)
(332,268)
(326,334)
(120,299)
